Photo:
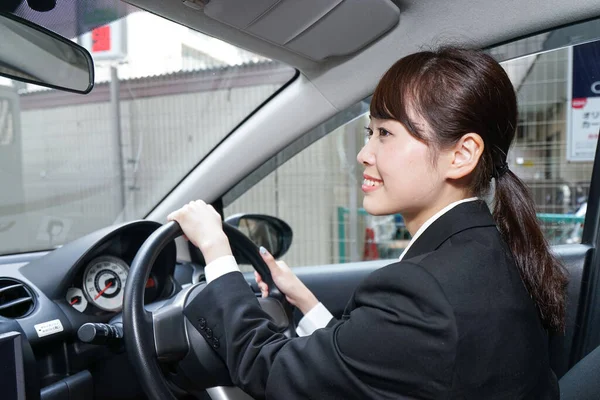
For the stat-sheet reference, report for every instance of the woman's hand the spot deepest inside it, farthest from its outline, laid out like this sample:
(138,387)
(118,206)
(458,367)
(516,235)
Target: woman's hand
(202,225)
(287,282)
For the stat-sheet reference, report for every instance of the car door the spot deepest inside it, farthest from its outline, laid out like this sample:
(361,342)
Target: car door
(314,183)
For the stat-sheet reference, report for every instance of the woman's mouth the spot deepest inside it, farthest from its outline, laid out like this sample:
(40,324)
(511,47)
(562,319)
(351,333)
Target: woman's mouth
(370,184)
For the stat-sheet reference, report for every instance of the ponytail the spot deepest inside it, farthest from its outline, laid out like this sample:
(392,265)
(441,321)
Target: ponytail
(543,274)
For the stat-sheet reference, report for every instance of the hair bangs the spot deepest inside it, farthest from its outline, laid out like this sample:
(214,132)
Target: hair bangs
(397,96)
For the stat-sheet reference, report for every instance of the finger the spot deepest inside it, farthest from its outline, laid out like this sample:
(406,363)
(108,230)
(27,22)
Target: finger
(257,277)
(172,216)
(198,203)
(281,264)
(269,260)
(264,289)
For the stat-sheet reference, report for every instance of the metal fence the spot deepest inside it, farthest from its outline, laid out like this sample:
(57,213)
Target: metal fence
(387,237)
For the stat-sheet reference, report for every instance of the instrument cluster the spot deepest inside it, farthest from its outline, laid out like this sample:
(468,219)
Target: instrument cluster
(102,285)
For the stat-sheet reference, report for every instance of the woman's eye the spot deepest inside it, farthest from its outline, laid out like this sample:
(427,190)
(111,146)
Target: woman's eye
(368,132)
(383,132)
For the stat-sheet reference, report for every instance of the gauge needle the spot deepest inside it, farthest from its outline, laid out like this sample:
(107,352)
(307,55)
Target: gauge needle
(104,290)
(75,300)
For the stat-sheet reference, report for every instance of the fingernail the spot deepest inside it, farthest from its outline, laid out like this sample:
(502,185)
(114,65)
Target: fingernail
(263,251)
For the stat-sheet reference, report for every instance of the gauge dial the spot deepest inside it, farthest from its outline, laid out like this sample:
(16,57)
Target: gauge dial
(104,282)
(76,299)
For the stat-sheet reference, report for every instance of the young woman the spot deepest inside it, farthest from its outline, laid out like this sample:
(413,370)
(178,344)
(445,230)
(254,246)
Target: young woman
(465,312)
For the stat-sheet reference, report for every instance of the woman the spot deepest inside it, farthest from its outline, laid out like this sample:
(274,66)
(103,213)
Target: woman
(465,312)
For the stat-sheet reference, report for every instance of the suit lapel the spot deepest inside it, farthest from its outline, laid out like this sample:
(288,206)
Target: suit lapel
(464,216)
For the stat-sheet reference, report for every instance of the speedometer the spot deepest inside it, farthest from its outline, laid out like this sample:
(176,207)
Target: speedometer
(104,281)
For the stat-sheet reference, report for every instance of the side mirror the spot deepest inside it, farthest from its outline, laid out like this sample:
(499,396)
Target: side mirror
(33,54)
(270,232)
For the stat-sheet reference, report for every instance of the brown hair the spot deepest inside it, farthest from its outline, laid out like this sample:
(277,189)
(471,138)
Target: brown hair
(458,91)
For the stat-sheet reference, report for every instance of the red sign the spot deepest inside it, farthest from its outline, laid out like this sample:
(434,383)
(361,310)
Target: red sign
(579,103)
(101,39)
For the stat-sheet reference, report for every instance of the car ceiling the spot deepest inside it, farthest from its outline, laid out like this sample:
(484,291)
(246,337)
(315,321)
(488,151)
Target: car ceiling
(328,86)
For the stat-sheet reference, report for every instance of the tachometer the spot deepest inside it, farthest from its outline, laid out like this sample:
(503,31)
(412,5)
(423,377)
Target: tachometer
(76,299)
(104,281)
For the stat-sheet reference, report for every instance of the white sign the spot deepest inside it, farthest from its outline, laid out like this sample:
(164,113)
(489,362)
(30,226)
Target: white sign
(585,125)
(583,112)
(49,328)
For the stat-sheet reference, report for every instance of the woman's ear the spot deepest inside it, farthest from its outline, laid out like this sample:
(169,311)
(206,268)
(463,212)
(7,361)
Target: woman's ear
(464,156)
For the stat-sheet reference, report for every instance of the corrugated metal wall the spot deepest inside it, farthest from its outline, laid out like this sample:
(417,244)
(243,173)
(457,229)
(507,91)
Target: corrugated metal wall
(169,135)
(70,169)
(71,166)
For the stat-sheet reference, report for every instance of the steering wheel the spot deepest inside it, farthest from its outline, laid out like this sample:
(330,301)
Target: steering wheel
(169,333)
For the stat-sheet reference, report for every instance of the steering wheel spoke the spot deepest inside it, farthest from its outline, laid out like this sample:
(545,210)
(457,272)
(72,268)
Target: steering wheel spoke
(170,334)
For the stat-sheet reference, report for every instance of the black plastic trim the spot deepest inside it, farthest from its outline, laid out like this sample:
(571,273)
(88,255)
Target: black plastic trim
(75,387)
(588,336)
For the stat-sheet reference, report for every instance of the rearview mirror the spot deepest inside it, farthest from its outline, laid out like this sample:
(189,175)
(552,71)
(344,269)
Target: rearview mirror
(272,233)
(30,53)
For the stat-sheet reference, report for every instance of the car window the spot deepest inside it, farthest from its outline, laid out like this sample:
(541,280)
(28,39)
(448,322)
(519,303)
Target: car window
(164,96)
(314,184)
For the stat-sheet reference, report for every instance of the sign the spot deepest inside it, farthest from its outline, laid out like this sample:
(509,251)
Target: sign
(49,328)
(583,113)
(101,39)
(107,42)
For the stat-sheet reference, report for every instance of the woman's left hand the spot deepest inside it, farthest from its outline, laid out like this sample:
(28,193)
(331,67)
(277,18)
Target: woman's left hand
(202,225)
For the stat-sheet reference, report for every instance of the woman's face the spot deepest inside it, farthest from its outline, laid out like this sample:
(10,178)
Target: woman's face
(399,176)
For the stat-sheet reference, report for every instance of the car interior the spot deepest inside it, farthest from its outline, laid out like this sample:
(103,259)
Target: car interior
(104,312)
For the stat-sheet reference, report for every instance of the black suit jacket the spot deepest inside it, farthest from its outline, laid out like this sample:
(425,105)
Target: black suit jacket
(453,320)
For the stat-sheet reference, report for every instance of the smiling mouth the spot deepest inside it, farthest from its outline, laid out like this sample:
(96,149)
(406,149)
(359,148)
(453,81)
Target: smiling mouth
(371,183)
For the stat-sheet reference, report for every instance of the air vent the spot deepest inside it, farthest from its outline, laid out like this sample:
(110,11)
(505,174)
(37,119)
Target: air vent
(16,299)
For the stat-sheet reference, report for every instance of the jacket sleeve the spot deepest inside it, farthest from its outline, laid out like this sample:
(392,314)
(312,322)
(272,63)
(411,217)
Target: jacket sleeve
(399,338)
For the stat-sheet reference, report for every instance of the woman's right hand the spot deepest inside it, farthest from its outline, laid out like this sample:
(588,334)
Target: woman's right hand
(287,282)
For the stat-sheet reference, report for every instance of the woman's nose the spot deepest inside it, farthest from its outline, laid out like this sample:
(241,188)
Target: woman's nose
(365,156)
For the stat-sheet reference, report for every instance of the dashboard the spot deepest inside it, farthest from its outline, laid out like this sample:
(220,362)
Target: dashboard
(78,283)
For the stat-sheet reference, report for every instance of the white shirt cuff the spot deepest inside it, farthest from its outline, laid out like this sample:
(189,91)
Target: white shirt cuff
(219,267)
(318,317)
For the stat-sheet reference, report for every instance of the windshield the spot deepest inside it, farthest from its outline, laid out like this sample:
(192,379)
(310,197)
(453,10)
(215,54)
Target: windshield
(164,96)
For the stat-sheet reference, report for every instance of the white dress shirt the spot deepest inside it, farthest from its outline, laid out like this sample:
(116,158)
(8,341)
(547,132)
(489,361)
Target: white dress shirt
(319,316)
